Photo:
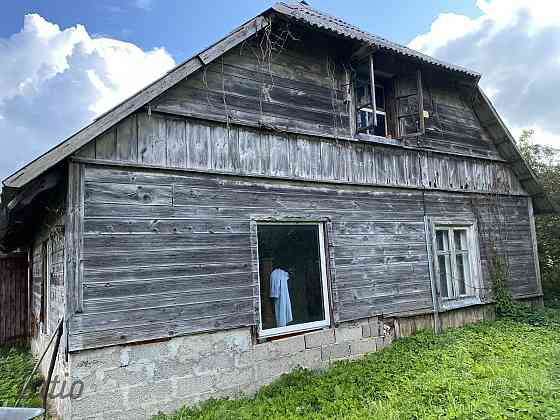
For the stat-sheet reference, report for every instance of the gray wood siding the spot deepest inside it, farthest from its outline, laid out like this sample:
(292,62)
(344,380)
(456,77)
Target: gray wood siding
(168,252)
(153,269)
(186,143)
(304,88)
(292,89)
(36,288)
(54,238)
(56,278)
(503,222)
(452,125)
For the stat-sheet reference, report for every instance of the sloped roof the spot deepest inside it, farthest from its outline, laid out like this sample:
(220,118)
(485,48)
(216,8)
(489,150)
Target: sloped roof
(507,148)
(315,19)
(304,13)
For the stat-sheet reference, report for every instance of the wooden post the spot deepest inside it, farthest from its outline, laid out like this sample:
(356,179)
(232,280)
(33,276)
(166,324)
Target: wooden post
(435,303)
(422,126)
(535,247)
(372,89)
(53,361)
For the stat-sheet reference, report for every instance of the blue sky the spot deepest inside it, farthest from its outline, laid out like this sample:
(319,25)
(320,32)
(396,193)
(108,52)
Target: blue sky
(185,27)
(62,62)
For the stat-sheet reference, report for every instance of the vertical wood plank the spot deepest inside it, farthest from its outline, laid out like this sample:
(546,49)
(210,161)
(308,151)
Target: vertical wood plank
(534,245)
(219,145)
(248,151)
(279,153)
(106,145)
(327,160)
(176,143)
(13,298)
(127,140)
(152,139)
(198,148)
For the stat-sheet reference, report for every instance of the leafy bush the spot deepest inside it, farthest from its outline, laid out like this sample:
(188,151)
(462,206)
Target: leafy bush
(16,364)
(545,161)
(501,370)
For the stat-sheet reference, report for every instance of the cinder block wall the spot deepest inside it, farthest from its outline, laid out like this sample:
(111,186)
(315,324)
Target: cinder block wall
(38,344)
(140,380)
(137,381)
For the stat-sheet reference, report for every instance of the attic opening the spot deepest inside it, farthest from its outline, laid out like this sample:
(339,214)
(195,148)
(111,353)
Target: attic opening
(388,103)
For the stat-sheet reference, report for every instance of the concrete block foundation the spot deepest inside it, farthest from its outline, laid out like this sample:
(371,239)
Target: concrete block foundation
(140,380)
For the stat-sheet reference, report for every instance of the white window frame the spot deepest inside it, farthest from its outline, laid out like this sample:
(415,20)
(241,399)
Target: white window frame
(473,290)
(288,329)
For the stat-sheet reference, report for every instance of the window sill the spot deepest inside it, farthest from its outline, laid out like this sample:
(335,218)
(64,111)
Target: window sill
(457,303)
(371,138)
(290,330)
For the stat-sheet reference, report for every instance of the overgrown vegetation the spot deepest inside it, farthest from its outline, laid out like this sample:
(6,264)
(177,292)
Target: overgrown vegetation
(16,364)
(508,369)
(545,161)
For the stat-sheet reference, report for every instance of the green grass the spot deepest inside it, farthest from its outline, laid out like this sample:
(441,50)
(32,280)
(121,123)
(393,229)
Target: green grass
(508,369)
(16,364)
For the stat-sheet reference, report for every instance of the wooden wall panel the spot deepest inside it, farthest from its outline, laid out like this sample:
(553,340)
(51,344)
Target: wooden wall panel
(452,125)
(184,264)
(504,230)
(52,237)
(179,265)
(187,143)
(288,89)
(14,323)
(56,278)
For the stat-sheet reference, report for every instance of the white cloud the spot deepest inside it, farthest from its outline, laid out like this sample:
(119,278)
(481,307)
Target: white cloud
(515,44)
(54,81)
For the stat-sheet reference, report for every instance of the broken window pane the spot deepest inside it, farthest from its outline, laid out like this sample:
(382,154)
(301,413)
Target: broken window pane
(381,128)
(291,279)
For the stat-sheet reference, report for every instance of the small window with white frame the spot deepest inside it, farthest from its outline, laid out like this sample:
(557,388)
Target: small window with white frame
(455,257)
(292,277)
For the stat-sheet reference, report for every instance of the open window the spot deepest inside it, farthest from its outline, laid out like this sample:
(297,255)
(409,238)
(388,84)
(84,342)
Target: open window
(292,275)
(370,99)
(387,105)
(457,263)
(409,100)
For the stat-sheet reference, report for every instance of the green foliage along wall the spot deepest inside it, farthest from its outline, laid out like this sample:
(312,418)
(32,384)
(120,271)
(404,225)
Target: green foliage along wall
(545,161)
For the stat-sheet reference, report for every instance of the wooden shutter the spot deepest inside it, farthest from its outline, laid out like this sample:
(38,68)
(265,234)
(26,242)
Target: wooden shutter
(409,105)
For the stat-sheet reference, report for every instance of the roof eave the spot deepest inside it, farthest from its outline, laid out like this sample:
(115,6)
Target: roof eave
(507,147)
(348,31)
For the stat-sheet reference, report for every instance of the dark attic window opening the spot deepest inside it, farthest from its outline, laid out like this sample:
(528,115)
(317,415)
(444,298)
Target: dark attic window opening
(292,277)
(371,104)
(368,120)
(387,105)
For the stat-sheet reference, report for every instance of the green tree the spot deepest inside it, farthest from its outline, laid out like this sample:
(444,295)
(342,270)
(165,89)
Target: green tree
(545,161)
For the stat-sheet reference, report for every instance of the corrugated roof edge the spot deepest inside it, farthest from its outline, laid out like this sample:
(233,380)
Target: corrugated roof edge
(323,20)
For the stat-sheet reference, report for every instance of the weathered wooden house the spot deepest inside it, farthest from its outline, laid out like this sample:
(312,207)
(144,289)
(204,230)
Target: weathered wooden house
(301,191)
